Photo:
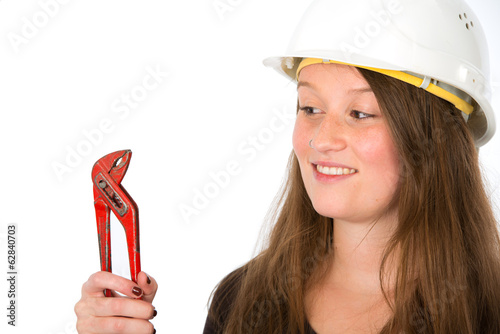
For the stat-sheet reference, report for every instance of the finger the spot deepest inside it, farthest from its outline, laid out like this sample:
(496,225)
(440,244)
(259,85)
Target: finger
(104,280)
(148,285)
(114,325)
(123,307)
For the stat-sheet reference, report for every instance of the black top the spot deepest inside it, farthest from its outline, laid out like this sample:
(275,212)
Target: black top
(223,300)
(210,328)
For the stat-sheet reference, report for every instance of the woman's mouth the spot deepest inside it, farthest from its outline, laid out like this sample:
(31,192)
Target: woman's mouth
(326,170)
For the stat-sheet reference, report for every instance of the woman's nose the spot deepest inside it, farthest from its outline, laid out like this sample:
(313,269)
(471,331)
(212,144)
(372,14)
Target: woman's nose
(330,135)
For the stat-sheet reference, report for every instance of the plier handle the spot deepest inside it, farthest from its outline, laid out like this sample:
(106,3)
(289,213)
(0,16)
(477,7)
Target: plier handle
(109,195)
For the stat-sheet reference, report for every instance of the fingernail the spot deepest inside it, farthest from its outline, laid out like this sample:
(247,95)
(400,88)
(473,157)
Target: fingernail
(154,314)
(154,331)
(137,291)
(149,279)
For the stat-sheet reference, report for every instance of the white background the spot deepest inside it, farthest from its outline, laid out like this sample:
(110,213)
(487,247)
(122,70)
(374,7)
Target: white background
(69,77)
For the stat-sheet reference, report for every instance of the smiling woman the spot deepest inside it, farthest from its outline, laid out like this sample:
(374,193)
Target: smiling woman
(383,225)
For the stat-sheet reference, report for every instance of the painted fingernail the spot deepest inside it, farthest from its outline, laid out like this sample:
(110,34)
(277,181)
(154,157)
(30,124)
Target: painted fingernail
(137,291)
(154,314)
(149,279)
(154,331)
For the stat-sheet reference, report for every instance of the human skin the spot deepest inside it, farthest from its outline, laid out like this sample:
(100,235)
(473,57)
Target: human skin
(340,114)
(118,314)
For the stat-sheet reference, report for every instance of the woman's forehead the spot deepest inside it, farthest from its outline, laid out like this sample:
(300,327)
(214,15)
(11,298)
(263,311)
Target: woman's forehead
(331,71)
(316,76)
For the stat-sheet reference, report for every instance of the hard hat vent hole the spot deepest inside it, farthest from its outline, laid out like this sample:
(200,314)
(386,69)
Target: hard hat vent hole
(468,25)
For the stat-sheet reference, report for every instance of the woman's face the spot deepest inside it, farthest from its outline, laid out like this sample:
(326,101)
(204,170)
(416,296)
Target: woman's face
(340,114)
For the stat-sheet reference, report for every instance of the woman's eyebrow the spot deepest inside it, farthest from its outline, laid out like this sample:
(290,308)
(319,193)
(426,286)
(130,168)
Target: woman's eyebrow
(360,90)
(305,84)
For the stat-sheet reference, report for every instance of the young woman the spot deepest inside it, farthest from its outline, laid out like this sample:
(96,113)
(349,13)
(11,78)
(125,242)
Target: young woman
(383,225)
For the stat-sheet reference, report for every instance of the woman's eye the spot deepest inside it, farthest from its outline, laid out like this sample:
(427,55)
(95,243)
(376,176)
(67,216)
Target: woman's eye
(360,115)
(310,110)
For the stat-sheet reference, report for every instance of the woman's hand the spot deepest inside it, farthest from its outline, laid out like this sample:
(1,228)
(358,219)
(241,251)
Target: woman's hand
(99,314)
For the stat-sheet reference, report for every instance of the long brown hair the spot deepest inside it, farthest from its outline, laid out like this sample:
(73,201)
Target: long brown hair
(447,242)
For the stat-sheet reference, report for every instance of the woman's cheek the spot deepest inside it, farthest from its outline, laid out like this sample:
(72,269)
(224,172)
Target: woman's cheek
(373,145)
(381,155)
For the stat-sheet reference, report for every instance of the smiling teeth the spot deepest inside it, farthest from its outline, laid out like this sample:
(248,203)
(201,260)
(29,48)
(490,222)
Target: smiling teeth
(334,170)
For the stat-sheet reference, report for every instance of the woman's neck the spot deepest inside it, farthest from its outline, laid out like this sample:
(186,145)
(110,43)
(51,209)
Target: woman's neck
(358,250)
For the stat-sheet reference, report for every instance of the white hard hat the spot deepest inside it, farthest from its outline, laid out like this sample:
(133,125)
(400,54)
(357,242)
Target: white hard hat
(438,45)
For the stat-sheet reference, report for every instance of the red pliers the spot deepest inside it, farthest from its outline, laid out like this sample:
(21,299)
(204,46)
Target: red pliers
(107,174)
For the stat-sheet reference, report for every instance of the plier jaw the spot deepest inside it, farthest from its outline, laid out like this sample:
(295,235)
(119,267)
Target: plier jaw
(109,195)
